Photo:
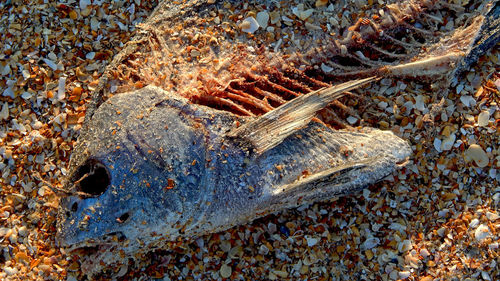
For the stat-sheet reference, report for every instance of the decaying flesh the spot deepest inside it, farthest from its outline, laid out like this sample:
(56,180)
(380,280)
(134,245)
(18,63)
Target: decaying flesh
(217,65)
(223,133)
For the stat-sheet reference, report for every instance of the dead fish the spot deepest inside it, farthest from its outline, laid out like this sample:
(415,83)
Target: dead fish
(173,169)
(209,146)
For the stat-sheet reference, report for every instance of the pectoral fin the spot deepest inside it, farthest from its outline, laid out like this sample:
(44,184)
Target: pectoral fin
(270,129)
(323,181)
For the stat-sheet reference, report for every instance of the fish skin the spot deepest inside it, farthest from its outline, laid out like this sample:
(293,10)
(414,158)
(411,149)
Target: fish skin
(212,193)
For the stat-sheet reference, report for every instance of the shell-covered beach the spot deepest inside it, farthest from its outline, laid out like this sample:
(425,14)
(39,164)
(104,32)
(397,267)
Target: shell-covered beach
(435,219)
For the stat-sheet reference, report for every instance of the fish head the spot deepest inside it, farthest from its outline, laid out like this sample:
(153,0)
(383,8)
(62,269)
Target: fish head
(136,174)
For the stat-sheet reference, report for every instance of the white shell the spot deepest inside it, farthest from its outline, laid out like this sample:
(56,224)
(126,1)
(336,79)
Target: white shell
(251,25)
(262,19)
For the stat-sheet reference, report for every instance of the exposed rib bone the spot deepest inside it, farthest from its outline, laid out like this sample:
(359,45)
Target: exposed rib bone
(269,95)
(272,128)
(252,89)
(426,67)
(382,51)
(364,60)
(404,44)
(297,74)
(265,84)
(345,108)
(342,67)
(433,18)
(213,100)
(426,32)
(290,83)
(246,98)
(330,117)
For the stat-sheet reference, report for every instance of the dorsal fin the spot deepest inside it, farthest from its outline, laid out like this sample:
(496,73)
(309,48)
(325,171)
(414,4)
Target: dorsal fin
(270,129)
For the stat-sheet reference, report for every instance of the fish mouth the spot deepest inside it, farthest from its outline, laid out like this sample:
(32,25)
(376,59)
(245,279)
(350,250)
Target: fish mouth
(92,247)
(87,250)
(93,256)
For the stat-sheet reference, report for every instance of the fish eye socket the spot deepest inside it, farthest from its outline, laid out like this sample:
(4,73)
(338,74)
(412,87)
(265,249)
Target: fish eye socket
(92,178)
(74,207)
(123,218)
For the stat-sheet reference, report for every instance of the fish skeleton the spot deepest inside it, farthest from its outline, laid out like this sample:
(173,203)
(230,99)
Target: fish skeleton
(207,147)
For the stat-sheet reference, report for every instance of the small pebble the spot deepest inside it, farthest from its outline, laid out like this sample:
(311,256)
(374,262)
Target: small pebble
(485,276)
(271,228)
(225,246)
(394,275)
(311,241)
(492,216)
(477,154)
(370,243)
(84,4)
(404,274)
(225,271)
(404,246)
(483,119)
(23,231)
(9,270)
(482,232)
(303,15)
(424,253)
(419,103)
(61,89)
(262,18)
(123,270)
(321,3)
(448,142)
(284,230)
(263,250)
(352,120)
(443,213)
(13,238)
(437,144)
(441,231)
(326,68)
(90,55)
(249,25)
(4,113)
(37,125)
(473,223)
(8,92)
(468,101)
(51,64)
(26,95)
